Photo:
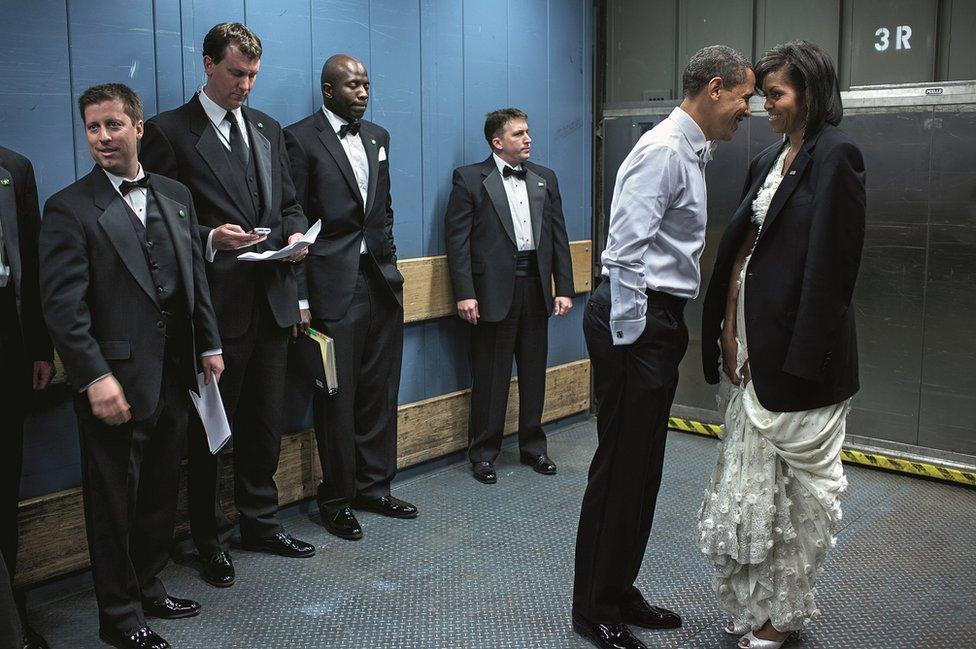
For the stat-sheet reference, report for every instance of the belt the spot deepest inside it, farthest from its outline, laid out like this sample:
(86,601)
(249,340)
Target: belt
(665,299)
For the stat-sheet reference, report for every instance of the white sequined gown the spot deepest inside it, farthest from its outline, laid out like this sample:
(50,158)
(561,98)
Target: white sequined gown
(769,512)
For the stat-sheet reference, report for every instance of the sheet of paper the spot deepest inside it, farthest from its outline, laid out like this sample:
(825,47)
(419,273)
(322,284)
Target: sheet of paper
(209,405)
(270,255)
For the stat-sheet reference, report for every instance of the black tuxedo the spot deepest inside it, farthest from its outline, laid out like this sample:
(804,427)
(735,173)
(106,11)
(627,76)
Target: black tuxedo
(255,303)
(800,282)
(23,336)
(514,305)
(104,280)
(357,299)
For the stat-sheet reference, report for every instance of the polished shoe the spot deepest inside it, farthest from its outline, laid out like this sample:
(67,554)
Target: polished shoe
(342,523)
(607,636)
(737,627)
(218,570)
(282,544)
(539,463)
(171,608)
(484,472)
(638,612)
(387,506)
(33,639)
(750,641)
(144,638)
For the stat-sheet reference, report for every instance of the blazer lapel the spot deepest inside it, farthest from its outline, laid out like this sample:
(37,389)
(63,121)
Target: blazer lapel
(262,156)
(372,155)
(215,155)
(8,224)
(118,226)
(176,216)
(496,191)
(535,186)
(786,185)
(331,143)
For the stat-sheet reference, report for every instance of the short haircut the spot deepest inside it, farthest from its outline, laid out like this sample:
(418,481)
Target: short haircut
(811,73)
(131,104)
(710,62)
(496,120)
(223,34)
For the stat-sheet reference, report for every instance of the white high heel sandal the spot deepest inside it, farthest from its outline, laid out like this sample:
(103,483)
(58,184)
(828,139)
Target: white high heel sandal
(737,627)
(758,643)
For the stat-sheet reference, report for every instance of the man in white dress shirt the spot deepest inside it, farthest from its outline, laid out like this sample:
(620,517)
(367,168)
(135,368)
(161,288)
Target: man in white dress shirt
(636,337)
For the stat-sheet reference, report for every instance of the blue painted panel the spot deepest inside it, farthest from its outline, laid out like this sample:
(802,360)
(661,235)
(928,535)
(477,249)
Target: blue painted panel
(339,27)
(485,71)
(528,73)
(111,46)
(36,106)
(395,91)
(446,368)
(169,55)
(566,335)
(283,88)
(412,369)
(585,232)
(198,16)
(442,106)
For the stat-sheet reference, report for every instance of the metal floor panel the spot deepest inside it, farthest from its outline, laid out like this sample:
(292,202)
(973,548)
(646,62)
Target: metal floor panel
(490,566)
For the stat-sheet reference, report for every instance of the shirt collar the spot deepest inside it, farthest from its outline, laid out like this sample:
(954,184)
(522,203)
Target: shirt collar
(334,119)
(501,164)
(117,180)
(216,113)
(693,133)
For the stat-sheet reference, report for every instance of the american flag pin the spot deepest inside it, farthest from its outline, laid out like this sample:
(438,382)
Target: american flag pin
(793,172)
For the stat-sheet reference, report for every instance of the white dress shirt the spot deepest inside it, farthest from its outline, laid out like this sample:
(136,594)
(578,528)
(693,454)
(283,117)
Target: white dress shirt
(356,153)
(518,204)
(657,222)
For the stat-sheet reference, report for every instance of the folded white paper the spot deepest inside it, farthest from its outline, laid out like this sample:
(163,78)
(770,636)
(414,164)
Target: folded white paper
(270,255)
(210,407)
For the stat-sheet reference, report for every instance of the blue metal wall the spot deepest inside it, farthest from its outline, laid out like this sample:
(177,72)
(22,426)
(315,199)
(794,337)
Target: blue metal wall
(436,67)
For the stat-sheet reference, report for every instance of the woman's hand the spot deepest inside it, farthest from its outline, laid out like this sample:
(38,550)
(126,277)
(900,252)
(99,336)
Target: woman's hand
(730,350)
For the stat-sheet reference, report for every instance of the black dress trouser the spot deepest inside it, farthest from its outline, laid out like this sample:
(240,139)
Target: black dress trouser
(634,386)
(356,429)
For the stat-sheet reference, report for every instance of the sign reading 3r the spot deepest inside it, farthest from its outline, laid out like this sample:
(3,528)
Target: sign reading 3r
(902,35)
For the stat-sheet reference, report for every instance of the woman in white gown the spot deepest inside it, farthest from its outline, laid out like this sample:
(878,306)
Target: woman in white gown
(779,307)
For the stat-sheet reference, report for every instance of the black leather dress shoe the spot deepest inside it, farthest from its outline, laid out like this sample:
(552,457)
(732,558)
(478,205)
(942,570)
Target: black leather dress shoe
(218,570)
(638,612)
(484,472)
(539,463)
(342,523)
(33,639)
(144,638)
(283,544)
(607,636)
(171,608)
(387,506)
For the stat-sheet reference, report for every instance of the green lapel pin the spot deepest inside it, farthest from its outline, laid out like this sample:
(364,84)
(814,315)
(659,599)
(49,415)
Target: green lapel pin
(373,141)
(4,181)
(183,213)
(541,184)
(260,124)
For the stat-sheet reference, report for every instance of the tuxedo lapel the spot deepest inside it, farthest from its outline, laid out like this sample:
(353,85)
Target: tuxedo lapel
(117,224)
(176,216)
(8,224)
(499,199)
(215,155)
(331,143)
(372,155)
(262,158)
(535,186)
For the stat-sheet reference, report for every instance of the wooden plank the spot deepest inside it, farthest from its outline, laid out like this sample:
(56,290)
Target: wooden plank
(52,527)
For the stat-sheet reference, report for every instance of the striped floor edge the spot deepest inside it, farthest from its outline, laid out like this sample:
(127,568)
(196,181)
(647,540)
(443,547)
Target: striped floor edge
(873,460)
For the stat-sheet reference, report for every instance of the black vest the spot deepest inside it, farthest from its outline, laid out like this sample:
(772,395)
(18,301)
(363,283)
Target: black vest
(246,179)
(157,246)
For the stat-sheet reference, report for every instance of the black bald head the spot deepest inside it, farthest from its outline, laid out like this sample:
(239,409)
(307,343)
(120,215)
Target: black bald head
(345,87)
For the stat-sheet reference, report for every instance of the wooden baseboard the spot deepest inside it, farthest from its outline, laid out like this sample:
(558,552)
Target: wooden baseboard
(52,527)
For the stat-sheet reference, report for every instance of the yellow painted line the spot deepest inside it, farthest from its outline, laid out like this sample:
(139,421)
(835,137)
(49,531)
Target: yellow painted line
(852,456)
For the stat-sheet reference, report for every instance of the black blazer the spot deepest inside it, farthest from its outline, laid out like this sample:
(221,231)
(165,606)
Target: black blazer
(800,282)
(326,188)
(481,248)
(98,295)
(183,145)
(20,220)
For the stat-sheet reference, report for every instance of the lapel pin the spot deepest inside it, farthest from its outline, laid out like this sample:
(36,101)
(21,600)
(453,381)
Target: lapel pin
(541,184)
(4,181)
(373,141)
(260,124)
(793,172)
(183,213)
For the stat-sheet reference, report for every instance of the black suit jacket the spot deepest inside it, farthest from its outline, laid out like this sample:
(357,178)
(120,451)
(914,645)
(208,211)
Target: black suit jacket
(183,145)
(800,282)
(21,223)
(98,294)
(481,249)
(327,190)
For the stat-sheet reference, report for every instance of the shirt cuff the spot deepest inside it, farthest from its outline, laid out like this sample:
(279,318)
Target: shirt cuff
(211,252)
(626,332)
(212,352)
(303,304)
(85,389)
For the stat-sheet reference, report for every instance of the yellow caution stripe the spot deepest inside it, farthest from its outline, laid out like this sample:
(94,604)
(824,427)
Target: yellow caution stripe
(852,456)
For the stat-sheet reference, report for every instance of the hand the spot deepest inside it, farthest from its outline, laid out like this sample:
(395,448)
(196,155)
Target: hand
(730,349)
(303,325)
(231,237)
(43,373)
(108,402)
(745,373)
(213,367)
(468,310)
(562,305)
(299,255)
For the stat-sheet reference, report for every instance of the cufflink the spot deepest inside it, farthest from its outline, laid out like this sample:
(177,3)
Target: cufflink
(183,213)
(4,181)
(620,334)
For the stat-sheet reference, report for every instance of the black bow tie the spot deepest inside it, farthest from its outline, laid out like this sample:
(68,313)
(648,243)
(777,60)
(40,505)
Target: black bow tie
(518,173)
(351,127)
(128,185)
